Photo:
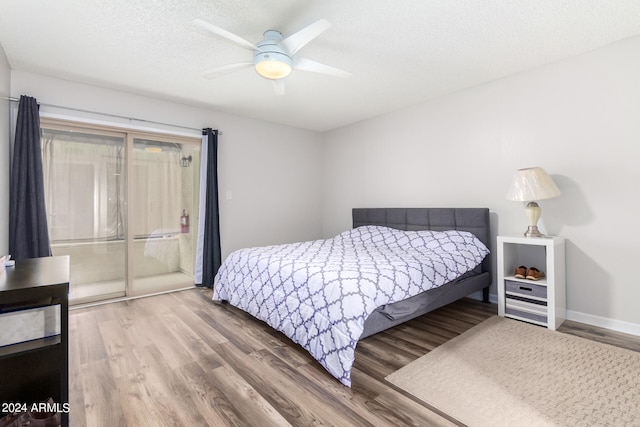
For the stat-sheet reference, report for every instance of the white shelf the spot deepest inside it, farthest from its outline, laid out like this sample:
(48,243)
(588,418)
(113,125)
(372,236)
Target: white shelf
(541,282)
(547,254)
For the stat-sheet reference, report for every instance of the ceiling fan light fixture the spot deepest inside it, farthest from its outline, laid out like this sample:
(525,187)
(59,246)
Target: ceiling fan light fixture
(273,68)
(274,57)
(270,59)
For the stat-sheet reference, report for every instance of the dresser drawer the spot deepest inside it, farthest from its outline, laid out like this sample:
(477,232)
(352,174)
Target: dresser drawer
(527,290)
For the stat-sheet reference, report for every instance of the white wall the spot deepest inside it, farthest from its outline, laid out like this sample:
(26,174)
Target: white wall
(5,132)
(270,172)
(579,119)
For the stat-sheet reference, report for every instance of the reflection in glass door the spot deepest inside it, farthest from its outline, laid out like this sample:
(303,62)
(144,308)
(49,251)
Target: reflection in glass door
(164,183)
(84,180)
(122,206)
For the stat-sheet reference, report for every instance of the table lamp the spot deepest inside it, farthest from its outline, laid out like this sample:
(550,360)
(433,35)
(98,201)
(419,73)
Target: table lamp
(529,185)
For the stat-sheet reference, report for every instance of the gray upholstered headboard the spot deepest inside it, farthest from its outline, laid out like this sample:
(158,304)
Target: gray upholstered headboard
(474,220)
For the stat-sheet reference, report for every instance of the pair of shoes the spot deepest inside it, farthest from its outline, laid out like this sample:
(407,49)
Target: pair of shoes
(534,274)
(531,273)
(521,272)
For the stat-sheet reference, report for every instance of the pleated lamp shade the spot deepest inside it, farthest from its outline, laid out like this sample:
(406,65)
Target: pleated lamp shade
(532,184)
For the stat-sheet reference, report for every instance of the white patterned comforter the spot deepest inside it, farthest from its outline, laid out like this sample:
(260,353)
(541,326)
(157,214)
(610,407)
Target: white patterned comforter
(320,293)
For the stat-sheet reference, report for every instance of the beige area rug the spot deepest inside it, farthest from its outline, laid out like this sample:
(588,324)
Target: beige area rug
(503,372)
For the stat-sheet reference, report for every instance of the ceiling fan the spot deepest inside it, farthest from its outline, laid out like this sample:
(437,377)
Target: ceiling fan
(273,57)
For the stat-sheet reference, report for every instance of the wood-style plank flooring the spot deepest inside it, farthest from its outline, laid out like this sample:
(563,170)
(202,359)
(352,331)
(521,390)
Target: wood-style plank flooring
(181,360)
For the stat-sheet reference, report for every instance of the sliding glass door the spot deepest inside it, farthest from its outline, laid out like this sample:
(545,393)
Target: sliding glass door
(84,180)
(122,206)
(164,199)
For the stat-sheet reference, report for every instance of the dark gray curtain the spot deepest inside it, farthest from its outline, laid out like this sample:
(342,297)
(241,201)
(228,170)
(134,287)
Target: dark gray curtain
(211,255)
(28,232)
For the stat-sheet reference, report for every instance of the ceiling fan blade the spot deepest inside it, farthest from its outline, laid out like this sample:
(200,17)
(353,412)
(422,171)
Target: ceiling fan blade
(204,25)
(225,69)
(305,64)
(278,86)
(297,40)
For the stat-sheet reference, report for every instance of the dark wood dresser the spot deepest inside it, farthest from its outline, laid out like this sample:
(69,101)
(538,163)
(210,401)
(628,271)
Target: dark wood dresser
(38,369)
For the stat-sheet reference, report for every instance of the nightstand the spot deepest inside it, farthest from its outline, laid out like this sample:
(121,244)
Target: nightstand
(542,302)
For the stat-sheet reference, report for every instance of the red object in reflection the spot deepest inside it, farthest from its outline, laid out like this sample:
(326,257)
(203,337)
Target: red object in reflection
(184,222)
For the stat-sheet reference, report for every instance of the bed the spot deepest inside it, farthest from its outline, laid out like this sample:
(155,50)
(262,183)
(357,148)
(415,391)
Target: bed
(474,220)
(394,265)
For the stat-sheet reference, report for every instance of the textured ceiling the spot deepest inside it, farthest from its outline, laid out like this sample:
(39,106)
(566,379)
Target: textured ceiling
(399,53)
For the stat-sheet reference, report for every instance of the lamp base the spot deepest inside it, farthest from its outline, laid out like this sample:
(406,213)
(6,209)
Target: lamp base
(533,212)
(533,231)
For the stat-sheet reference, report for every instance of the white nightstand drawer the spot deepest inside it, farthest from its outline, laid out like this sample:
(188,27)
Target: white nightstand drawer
(512,312)
(526,304)
(528,290)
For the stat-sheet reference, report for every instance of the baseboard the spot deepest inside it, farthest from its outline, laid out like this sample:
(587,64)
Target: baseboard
(604,322)
(589,319)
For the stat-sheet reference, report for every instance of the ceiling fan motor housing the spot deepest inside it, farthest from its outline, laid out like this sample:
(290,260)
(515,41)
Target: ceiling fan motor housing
(271,59)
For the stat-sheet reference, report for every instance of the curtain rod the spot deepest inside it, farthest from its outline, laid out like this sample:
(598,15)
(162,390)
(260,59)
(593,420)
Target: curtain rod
(108,115)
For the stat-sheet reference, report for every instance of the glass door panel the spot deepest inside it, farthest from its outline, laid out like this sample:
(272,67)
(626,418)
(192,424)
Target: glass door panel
(164,177)
(85,181)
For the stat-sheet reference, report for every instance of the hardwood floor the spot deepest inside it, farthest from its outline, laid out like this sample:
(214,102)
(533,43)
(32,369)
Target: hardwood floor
(180,360)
